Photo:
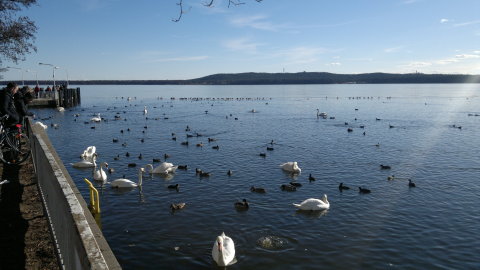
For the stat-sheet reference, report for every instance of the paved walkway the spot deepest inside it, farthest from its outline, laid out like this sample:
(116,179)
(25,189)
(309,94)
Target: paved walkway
(25,240)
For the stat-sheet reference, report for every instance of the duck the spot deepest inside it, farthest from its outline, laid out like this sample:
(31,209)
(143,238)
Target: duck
(177,206)
(410,183)
(156,160)
(216,147)
(270,148)
(288,188)
(311,178)
(391,177)
(176,186)
(295,184)
(223,251)
(257,190)
(363,190)
(183,167)
(385,167)
(125,183)
(314,204)
(291,167)
(163,168)
(204,174)
(341,187)
(100,175)
(243,205)
(132,165)
(263,155)
(198,171)
(230,172)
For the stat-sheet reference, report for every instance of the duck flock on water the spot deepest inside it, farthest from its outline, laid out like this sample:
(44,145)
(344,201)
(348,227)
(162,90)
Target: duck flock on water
(223,251)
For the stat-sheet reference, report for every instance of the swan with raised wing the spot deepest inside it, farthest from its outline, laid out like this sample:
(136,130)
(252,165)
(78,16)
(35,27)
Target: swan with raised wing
(89,152)
(223,251)
(125,183)
(100,174)
(163,168)
(314,204)
(291,167)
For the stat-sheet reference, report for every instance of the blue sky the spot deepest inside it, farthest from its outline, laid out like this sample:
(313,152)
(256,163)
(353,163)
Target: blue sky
(124,39)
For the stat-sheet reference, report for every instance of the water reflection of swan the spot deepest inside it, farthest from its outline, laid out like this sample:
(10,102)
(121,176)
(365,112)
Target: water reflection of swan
(125,183)
(163,168)
(223,251)
(314,204)
(291,167)
(100,174)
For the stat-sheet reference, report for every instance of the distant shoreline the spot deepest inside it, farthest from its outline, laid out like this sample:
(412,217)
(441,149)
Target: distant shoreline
(252,78)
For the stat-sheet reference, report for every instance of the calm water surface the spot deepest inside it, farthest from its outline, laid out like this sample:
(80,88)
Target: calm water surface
(433,226)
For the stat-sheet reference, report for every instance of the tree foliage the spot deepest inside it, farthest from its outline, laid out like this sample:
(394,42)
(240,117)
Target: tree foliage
(17,33)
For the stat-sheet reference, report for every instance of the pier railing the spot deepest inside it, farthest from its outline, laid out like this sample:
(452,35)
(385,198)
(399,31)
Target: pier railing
(80,243)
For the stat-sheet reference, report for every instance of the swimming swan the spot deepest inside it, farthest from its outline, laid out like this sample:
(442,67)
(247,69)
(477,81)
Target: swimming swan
(314,204)
(96,118)
(291,167)
(223,251)
(86,163)
(125,183)
(100,174)
(145,110)
(163,168)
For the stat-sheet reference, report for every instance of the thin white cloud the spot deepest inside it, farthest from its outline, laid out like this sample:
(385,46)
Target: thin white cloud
(245,45)
(444,20)
(257,22)
(466,23)
(466,56)
(460,63)
(334,64)
(393,49)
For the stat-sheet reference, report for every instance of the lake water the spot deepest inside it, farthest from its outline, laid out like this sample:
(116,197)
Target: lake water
(435,225)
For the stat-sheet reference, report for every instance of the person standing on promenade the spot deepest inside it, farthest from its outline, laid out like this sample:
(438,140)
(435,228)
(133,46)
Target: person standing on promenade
(21,100)
(7,105)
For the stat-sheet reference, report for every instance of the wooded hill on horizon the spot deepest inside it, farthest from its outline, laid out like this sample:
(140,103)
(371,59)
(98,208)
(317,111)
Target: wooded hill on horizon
(254,78)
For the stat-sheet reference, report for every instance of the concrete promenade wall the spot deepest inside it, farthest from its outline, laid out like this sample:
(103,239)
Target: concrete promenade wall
(79,241)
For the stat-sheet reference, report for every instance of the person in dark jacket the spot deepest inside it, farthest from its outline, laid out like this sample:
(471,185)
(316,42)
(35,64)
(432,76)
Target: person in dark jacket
(7,105)
(21,100)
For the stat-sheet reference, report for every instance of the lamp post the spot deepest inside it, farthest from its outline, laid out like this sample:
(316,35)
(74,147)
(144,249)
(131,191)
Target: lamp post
(36,74)
(53,67)
(21,70)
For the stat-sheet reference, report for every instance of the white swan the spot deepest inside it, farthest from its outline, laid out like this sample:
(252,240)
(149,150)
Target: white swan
(85,163)
(223,251)
(100,174)
(291,167)
(96,118)
(89,153)
(60,109)
(40,124)
(125,183)
(321,114)
(163,168)
(314,204)
(145,110)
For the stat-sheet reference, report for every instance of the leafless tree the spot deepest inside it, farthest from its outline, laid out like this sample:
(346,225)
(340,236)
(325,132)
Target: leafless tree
(17,32)
(210,3)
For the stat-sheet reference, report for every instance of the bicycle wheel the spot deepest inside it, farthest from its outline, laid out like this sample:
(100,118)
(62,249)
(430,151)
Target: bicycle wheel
(15,148)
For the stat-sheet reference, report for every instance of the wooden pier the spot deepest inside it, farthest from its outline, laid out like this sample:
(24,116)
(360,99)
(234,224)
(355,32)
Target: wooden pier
(65,98)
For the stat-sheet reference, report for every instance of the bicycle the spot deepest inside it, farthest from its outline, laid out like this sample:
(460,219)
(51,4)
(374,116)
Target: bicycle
(14,144)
